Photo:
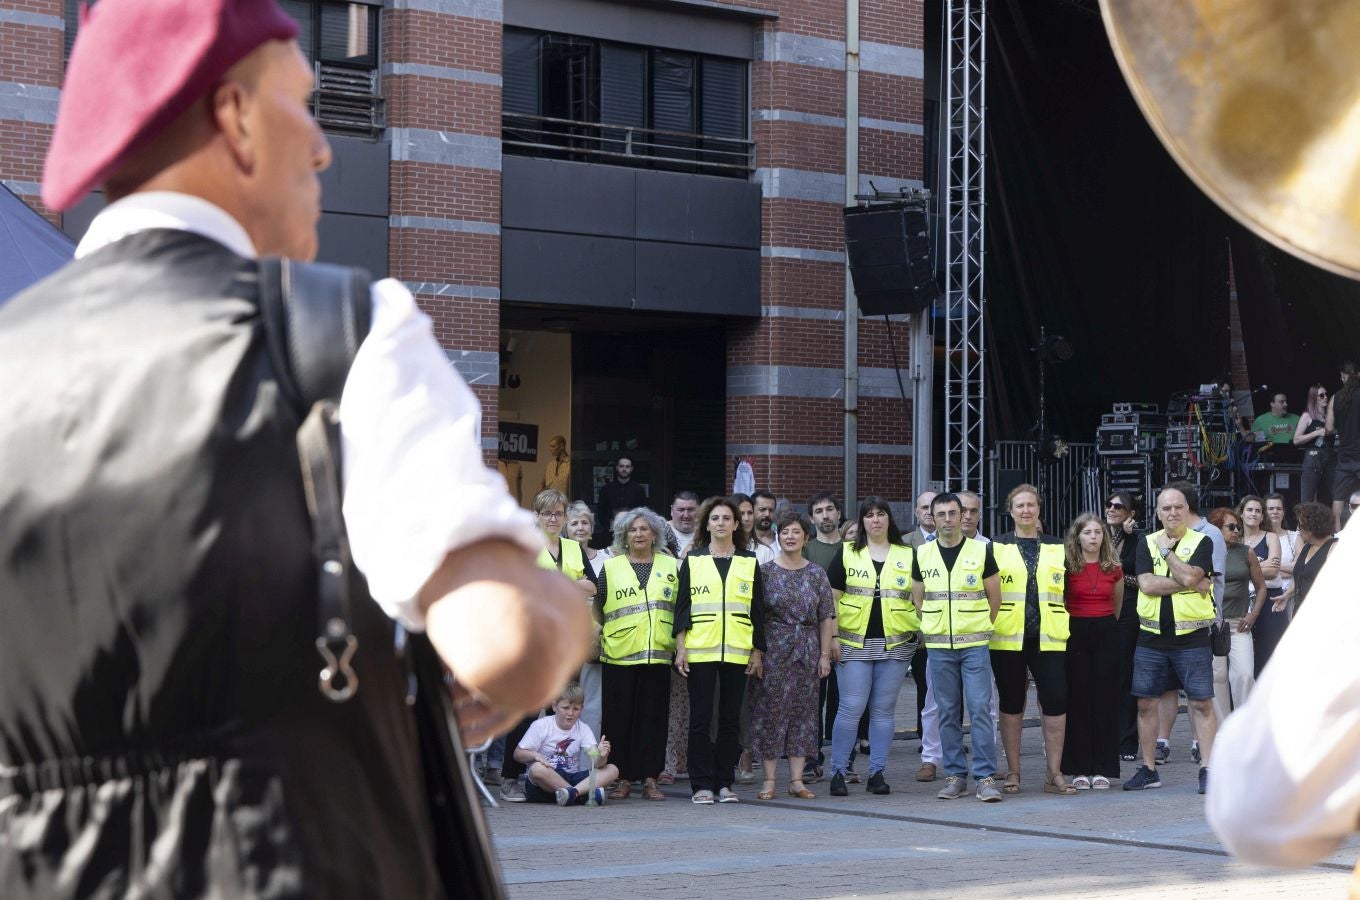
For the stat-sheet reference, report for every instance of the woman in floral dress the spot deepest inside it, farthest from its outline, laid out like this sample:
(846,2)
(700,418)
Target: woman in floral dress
(799,627)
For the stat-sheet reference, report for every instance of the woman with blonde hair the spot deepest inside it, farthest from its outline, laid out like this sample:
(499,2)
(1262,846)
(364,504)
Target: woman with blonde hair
(1094,596)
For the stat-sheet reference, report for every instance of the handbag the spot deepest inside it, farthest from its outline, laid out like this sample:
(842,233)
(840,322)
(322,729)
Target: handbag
(1220,637)
(315,317)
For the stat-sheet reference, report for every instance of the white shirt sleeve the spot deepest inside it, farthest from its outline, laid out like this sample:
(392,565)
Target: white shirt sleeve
(416,486)
(1285,783)
(533,736)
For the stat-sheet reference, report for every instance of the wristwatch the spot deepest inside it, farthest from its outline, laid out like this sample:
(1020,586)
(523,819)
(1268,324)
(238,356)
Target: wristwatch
(1166,551)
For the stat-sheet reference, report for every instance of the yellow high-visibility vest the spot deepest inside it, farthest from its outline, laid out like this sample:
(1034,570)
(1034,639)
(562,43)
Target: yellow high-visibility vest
(900,621)
(639,620)
(573,559)
(1008,632)
(720,610)
(1192,609)
(955,613)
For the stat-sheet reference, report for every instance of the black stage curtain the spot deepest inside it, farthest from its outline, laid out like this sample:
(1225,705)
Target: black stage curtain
(1094,232)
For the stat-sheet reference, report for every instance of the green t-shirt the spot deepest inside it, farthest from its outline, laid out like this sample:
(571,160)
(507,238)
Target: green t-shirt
(822,554)
(1278,429)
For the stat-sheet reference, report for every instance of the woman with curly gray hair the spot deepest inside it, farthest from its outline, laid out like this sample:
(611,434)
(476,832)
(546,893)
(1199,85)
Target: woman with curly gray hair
(635,605)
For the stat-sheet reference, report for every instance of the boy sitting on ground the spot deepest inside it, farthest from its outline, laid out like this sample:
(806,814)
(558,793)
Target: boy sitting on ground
(553,748)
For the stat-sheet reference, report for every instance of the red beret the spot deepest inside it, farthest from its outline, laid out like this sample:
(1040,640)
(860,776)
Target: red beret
(136,66)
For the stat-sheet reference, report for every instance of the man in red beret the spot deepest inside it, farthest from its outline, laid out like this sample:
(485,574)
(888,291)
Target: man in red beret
(161,731)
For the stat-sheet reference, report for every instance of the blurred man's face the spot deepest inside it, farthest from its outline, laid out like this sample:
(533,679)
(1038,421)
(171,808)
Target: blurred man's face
(683,515)
(972,513)
(764,513)
(923,514)
(826,517)
(284,151)
(624,469)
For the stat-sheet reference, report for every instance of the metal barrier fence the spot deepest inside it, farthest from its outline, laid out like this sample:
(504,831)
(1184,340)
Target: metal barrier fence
(1071,484)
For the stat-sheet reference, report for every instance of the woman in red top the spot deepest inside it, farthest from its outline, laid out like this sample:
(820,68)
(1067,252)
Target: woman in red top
(1095,595)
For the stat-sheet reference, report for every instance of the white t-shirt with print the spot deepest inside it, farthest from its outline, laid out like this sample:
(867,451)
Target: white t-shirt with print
(562,749)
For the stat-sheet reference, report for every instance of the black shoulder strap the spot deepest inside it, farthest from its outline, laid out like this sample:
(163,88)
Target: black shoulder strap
(315,317)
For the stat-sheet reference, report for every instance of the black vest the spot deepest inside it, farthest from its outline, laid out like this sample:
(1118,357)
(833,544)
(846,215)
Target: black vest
(161,731)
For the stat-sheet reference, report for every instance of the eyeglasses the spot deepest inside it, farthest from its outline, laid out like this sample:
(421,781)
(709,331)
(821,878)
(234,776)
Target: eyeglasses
(1114,504)
(1232,526)
(552,515)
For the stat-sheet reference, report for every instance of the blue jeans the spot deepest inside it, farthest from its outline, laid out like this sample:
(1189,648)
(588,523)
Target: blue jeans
(873,684)
(956,676)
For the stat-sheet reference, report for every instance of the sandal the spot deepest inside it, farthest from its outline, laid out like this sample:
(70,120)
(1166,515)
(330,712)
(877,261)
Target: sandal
(665,778)
(1100,783)
(650,791)
(1056,784)
(1082,783)
(703,798)
(622,790)
(767,790)
(1012,783)
(801,792)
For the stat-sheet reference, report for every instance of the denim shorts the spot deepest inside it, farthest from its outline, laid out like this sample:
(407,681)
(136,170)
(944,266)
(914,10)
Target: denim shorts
(535,794)
(1153,670)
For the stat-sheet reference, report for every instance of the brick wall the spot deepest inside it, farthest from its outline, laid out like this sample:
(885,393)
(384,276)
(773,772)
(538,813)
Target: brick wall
(794,434)
(441,77)
(31,45)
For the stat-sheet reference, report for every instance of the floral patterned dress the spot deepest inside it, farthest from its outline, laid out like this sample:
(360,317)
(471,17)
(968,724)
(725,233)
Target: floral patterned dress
(784,720)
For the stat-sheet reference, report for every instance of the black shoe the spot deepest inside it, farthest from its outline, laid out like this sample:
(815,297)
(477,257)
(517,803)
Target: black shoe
(1194,752)
(877,785)
(1203,779)
(1143,780)
(838,785)
(1162,752)
(1128,757)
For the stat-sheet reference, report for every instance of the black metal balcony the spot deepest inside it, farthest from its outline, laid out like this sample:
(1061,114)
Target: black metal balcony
(626,145)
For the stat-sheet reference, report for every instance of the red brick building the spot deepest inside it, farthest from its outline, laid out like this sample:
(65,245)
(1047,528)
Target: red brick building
(624,218)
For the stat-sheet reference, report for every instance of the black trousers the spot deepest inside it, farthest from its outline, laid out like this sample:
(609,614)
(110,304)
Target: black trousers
(918,674)
(1050,678)
(711,761)
(635,709)
(1094,664)
(1128,704)
(511,767)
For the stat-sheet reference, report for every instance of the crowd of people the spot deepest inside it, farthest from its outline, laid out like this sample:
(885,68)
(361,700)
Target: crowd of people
(743,631)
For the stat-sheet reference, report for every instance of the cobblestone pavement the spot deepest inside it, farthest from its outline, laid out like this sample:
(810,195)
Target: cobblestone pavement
(908,844)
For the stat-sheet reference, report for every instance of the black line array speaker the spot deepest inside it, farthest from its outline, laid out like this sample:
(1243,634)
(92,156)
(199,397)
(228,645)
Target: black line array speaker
(888,247)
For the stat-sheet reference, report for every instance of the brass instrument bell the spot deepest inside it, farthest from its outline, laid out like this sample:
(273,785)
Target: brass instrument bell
(1259,102)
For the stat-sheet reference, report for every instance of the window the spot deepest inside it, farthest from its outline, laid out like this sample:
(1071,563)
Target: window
(571,97)
(341,42)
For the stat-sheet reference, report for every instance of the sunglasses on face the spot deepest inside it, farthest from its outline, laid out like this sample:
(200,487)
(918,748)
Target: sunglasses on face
(1114,504)
(1232,526)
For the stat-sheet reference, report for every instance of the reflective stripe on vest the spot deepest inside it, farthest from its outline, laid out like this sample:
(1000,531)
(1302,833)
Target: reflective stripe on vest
(1055,625)
(1190,609)
(720,610)
(573,560)
(955,613)
(855,606)
(638,622)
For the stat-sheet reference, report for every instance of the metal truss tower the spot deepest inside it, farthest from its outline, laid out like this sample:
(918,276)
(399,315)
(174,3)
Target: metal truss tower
(964,155)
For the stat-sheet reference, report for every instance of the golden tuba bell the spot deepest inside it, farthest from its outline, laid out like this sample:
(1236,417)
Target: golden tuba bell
(1259,102)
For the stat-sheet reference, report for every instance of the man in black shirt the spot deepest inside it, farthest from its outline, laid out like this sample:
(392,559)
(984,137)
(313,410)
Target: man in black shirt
(1166,645)
(619,495)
